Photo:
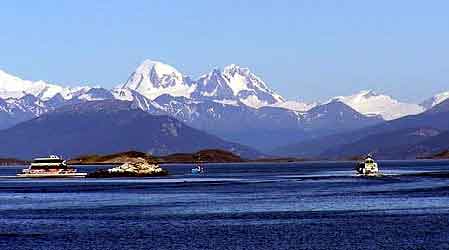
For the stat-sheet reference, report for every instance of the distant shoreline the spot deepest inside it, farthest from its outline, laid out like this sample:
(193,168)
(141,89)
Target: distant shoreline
(382,162)
(12,162)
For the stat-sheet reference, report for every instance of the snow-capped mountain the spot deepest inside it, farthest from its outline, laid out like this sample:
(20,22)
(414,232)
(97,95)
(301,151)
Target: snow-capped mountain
(236,83)
(139,101)
(265,127)
(233,103)
(16,110)
(13,111)
(152,79)
(370,103)
(213,86)
(249,88)
(435,100)
(15,87)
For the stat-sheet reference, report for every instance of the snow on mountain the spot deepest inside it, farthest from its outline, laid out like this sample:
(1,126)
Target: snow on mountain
(213,85)
(13,111)
(370,103)
(435,100)
(236,83)
(295,105)
(139,100)
(93,94)
(240,79)
(15,87)
(249,88)
(234,86)
(153,79)
(27,104)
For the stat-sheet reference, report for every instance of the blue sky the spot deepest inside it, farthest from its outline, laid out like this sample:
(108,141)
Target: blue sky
(304,49)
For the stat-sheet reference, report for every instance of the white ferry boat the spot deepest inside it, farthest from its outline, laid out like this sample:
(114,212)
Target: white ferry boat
(368,167)
(49,167)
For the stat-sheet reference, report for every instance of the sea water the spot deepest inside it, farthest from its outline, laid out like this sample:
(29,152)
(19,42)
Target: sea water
(231,206)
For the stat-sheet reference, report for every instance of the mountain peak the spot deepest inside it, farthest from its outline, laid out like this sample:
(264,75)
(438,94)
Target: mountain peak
(370,103)
(15,87)
(368,93)
(250,88)
(154,78)
(12,86)
(234,68)
(159,68)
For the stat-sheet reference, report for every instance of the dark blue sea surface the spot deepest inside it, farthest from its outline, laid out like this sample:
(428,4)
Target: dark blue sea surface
(232,206)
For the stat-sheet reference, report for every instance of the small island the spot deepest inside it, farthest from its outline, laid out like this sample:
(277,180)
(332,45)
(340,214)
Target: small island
(139,167)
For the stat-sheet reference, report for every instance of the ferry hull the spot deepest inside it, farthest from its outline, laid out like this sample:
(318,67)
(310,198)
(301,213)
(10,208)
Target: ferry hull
(371,175)
(55,175)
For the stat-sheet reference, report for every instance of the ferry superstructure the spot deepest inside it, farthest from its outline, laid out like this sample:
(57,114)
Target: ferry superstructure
(50,167)
(368,167)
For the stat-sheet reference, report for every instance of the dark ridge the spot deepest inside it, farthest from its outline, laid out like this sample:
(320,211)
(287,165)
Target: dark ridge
(107,127)
(441,155)
(208,155)
(205,156)
(12,161)
(112,158)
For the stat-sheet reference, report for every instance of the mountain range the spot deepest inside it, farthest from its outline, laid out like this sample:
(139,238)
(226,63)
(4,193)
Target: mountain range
(104,127)
(234,104)
(408,137)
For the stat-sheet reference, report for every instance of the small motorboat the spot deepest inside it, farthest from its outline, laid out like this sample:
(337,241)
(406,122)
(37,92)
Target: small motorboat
(367,167)
(198,170)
